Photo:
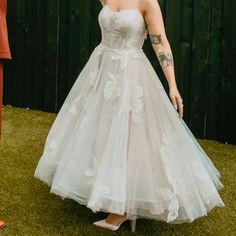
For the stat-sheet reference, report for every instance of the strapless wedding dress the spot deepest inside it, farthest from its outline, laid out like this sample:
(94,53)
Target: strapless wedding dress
(117,143)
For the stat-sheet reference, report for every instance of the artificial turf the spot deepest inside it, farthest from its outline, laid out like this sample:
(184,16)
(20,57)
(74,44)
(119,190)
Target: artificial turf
(30,209)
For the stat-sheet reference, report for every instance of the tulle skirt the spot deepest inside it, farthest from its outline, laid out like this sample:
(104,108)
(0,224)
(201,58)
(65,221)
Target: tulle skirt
(118,145)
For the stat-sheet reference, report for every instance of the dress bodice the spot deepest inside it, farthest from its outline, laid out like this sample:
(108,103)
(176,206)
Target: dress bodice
(125,29)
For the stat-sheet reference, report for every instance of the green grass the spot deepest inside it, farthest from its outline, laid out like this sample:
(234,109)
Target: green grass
(29,209)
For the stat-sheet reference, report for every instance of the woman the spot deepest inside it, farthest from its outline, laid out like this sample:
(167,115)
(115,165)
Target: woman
(118,145)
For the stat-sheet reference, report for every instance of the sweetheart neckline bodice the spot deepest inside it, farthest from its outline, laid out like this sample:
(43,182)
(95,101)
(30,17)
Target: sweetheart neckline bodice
(123,29)
(124,10)
(121,10)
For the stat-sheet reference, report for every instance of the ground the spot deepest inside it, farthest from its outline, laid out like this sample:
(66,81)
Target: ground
(29,209)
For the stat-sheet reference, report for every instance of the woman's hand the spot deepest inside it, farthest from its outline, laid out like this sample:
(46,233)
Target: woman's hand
(176,100)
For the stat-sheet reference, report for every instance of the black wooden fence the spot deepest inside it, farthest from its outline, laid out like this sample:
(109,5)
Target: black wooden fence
(51,41)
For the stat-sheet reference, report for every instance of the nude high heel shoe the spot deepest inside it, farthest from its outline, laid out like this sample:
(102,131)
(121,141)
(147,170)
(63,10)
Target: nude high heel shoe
(105,225)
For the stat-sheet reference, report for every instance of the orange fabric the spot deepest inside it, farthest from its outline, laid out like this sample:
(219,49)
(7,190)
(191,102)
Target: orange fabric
(4,50)
(4,44)
(2,224)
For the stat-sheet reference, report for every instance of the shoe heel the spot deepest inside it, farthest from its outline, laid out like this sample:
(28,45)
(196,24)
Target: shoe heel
(133,225)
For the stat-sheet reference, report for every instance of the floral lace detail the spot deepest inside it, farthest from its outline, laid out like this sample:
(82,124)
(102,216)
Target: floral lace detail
(93,77)
(136,104)
(130,42)
(205,182)
(92,173)
(123,56)
(75,104)
(89,173)
(86,99)
(99,191)
(121,27)
(112,87)
(130,98)
(167,195)
(174,171)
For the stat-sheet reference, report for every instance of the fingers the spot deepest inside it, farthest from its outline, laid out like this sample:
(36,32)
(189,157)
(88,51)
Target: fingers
(174,104)
(178,104)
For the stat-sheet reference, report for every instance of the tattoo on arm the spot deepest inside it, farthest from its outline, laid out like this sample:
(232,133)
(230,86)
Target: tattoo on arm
(165,59)
(155,39)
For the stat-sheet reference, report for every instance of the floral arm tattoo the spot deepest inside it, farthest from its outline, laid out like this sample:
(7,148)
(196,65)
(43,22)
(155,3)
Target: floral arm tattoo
(155,39)
(165,59)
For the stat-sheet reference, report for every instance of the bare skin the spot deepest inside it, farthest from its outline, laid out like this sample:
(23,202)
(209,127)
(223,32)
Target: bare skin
(115,219)
(154,20)
(152,15)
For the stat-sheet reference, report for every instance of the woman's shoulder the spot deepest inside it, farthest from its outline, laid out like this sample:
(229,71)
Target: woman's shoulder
(103,2)
(149,5)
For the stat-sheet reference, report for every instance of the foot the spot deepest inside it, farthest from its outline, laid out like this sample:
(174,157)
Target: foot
(115,219)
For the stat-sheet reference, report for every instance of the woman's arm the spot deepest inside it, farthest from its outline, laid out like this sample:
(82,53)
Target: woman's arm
(161,46)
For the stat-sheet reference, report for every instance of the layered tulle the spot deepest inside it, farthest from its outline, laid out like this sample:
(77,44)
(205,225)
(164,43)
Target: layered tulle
(118,145)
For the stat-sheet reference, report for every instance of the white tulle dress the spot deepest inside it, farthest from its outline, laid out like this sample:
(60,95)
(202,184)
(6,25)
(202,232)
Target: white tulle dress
(118,145)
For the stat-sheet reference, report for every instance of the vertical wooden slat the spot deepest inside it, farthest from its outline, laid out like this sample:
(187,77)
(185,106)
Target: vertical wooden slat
(63,53)
(94,29)
(78,38)
(51,55)
(173,31)
(75,29)
(40,43)
(20,46)
(228,81)
(211,128)
(185,55)
(30,53)
(199,68)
